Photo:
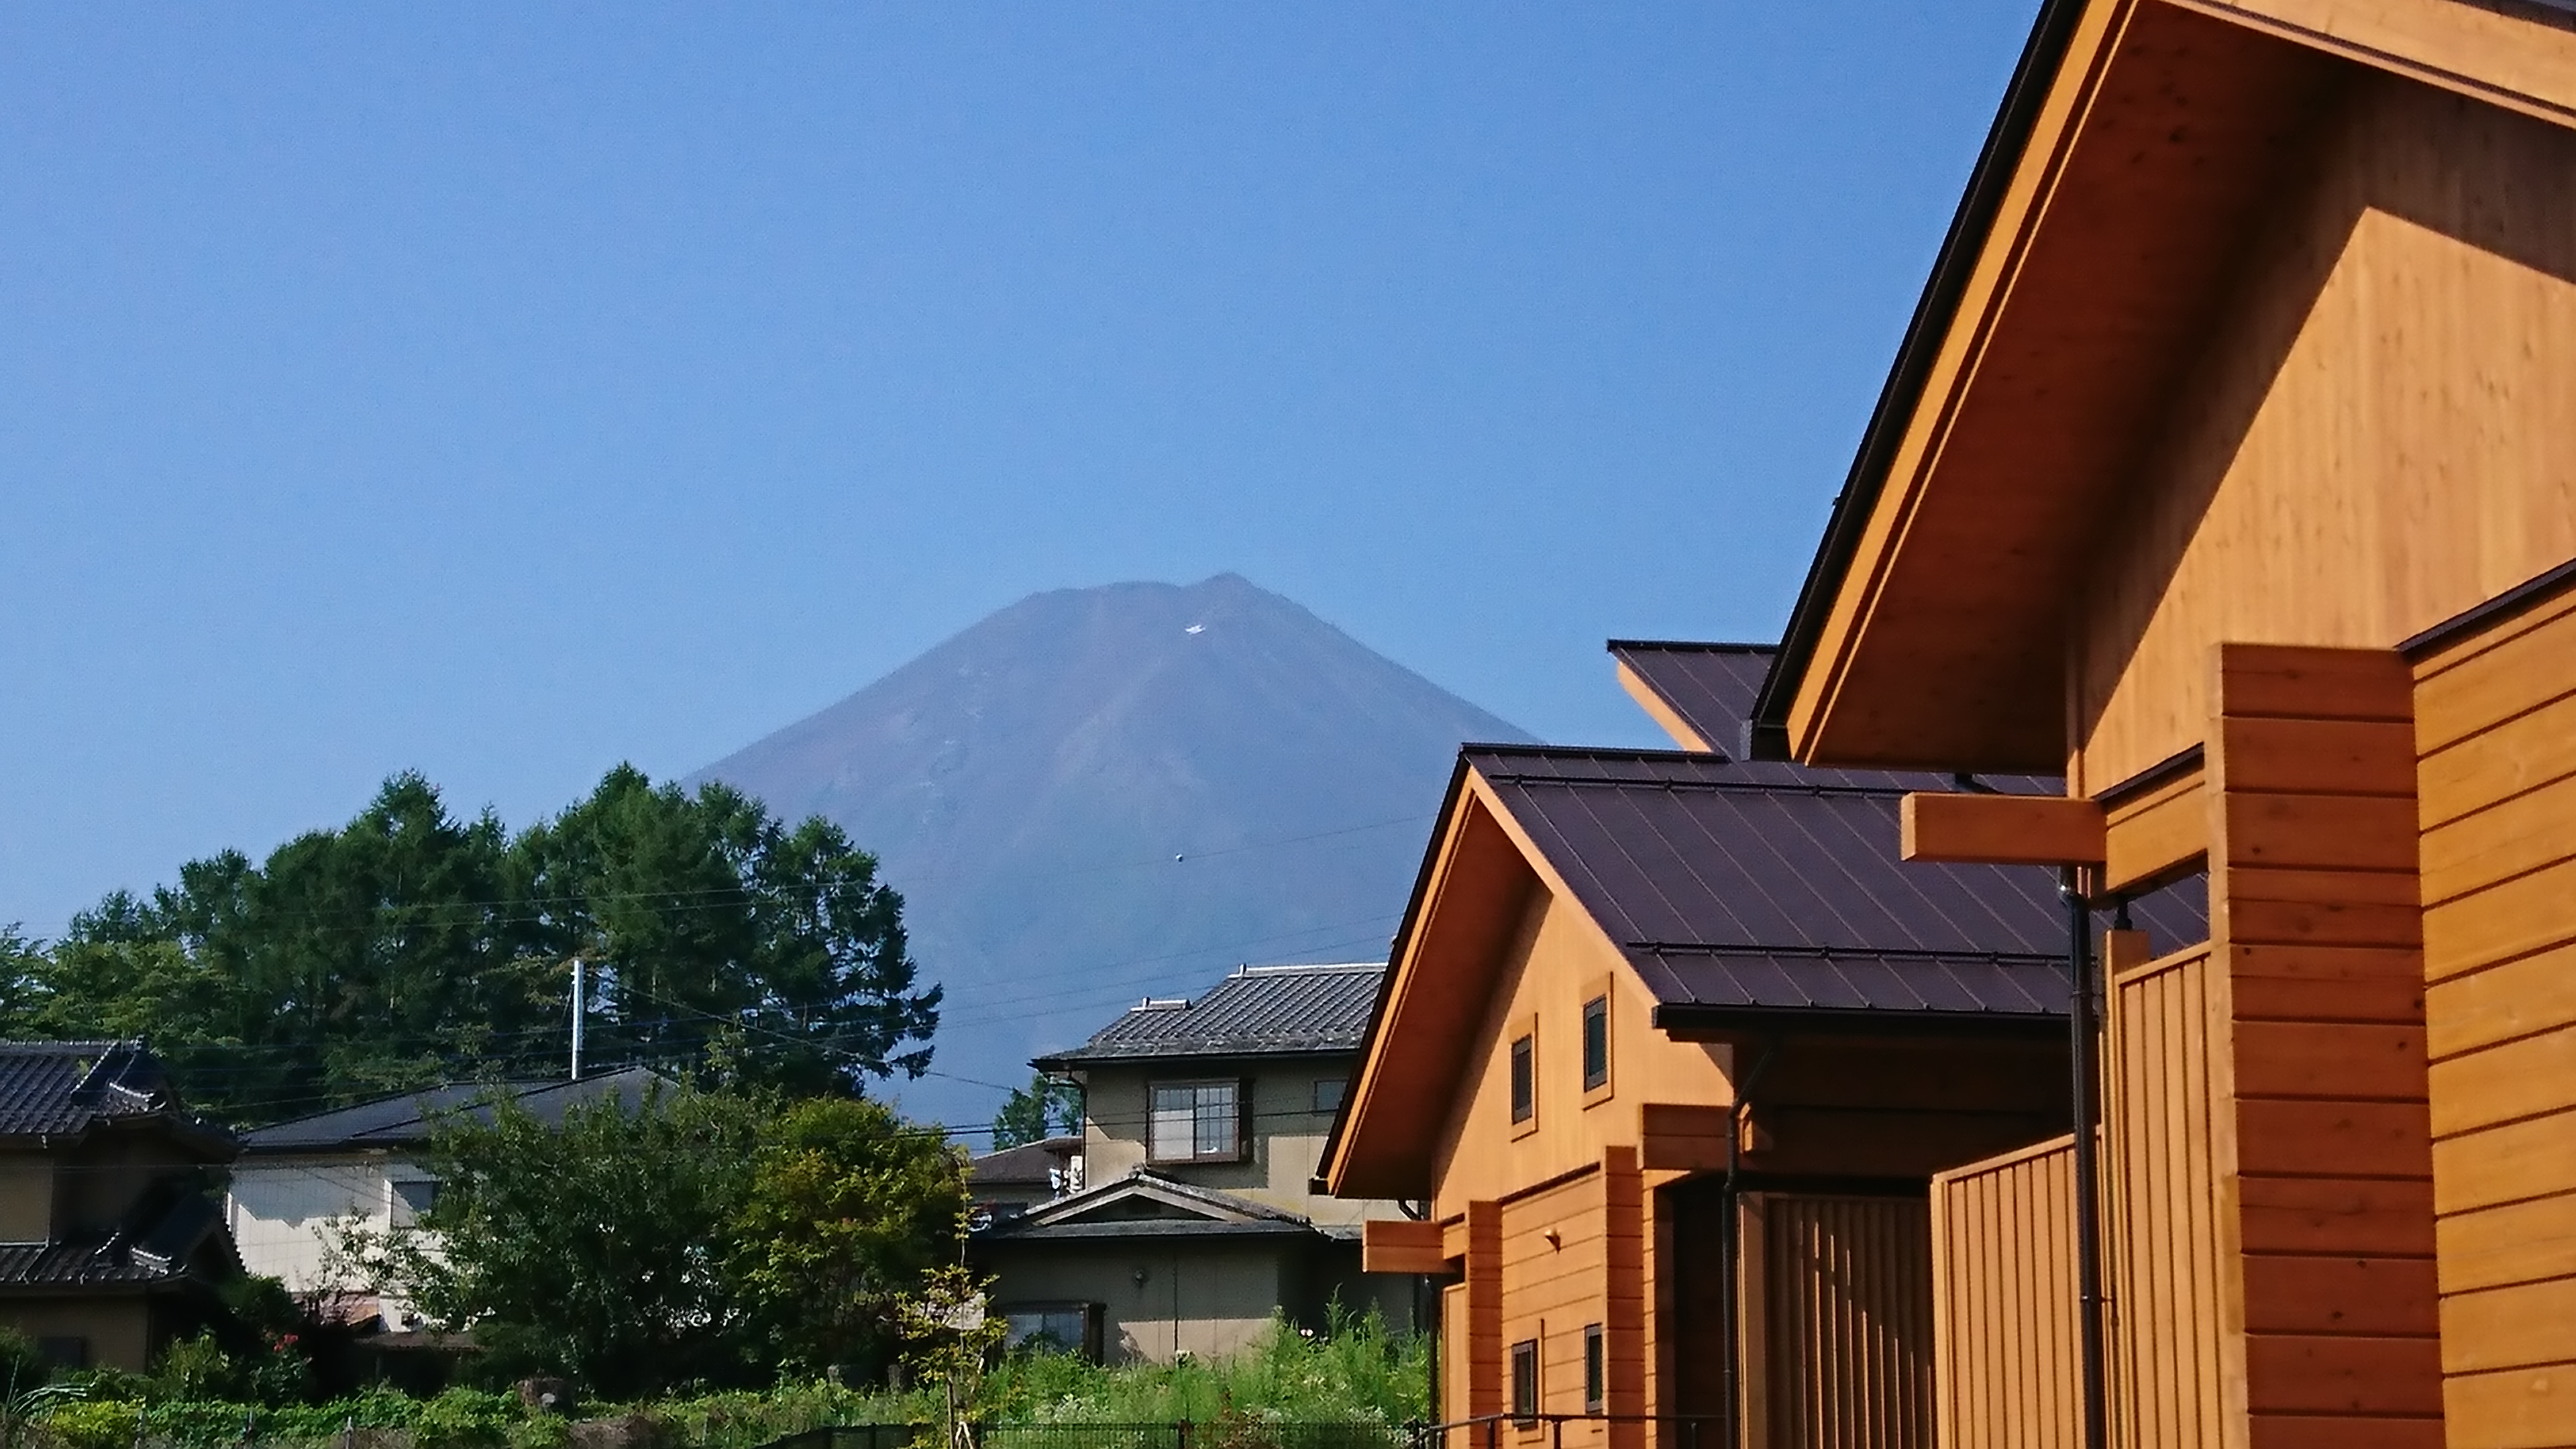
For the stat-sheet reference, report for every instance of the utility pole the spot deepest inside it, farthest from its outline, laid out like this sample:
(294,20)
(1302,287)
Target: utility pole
(578,1012)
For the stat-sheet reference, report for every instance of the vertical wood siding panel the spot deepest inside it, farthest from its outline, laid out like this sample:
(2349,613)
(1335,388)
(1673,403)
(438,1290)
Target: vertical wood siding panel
(2004,1375)
(2489,709)
(2161,1264)
(1848,1326)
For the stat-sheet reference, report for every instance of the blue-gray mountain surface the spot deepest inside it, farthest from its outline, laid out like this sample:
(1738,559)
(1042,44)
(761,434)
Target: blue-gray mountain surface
(1097,795)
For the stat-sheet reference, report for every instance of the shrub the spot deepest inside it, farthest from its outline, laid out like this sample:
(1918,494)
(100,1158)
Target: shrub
(465,1419)
(95,1424)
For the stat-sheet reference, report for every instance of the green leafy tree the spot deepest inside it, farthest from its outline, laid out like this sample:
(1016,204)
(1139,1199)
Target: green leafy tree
(697,1235)
(593,1248)
(410,947)
(848,1206)
(1046,1107)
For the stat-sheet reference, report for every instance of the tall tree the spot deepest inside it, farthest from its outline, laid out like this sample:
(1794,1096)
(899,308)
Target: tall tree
(409,947)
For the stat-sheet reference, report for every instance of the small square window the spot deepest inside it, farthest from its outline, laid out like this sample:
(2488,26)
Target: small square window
(1328,1093)
(1525,1381)
(1596,1370)
(413,1198)
(1596,1043)
(1524,1078)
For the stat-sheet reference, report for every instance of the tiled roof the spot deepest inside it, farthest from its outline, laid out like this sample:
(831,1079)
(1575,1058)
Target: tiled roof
(64,1088)
(1739,887)
(407,1118)
(161,1250)
(1257,1011)
(1029,1164)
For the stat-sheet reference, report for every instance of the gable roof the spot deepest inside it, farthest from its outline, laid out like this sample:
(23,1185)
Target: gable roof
(406,1119)
(1749,898)
(2136,149)
(63,1089)
(1740,890)
(1258,1011)
(1146,1204)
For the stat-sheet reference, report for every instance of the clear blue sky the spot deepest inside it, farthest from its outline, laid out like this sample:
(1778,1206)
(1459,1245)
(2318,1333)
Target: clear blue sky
(505,391)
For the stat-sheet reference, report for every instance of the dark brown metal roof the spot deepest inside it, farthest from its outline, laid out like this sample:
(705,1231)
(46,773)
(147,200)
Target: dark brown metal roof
(1257,1011)
(1751,888)
(1713,686)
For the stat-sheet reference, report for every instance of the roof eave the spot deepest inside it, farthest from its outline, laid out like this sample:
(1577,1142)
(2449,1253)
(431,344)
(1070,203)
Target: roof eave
(1706,1022)
(1767,732)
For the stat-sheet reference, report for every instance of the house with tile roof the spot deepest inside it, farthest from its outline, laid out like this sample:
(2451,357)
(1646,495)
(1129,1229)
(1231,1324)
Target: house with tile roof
(297,1183)
(110,1242)
(1200,1221)
(1672,1047)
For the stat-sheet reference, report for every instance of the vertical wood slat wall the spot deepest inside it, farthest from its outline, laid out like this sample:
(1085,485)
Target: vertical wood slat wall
(1848,1332)
(2496,741)
(2161,1266)
(2323,1142)
(2003,1302)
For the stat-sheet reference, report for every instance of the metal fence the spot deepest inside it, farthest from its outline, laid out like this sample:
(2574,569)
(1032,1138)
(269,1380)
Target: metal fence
(1488,1431)
(1234,1432)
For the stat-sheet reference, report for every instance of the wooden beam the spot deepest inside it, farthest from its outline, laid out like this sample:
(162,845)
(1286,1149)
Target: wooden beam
(1682,1137)
(1964,829)
(1401,1245)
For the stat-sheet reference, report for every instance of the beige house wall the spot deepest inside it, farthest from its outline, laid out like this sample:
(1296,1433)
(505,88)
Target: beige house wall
(1286,1133)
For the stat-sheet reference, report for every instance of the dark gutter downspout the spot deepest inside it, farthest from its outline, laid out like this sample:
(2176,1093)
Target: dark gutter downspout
(1766,732)
(2088,1182)
(1731,1311)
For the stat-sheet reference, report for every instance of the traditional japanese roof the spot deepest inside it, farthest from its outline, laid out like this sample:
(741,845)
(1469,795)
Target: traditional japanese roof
(52,1090)
(1031,1164)
(1145,1204)
(1258,1011)
(1741,890)
(406,1119)
(175,1235)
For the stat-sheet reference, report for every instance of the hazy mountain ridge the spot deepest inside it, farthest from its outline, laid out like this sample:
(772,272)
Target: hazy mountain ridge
(1030,781)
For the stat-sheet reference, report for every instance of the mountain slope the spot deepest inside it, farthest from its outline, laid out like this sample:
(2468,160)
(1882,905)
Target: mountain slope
(1098,794)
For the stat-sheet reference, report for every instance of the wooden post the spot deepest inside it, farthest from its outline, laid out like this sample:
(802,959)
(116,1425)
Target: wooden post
(1485,1370)
(1623,1294)
(2328,1327)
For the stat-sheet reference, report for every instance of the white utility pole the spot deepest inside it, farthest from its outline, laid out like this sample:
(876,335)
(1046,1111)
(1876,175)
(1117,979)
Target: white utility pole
(577,1014)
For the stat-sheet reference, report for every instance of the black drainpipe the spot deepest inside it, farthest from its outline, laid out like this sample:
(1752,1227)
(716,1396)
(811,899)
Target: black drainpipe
(2088,1204)
(1730,1247)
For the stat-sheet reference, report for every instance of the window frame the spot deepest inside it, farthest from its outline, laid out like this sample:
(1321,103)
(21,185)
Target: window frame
(1341,1090)
(1600,995)
(1520,1076)
(1525,1412)
(1596,1369)
(1241,1126)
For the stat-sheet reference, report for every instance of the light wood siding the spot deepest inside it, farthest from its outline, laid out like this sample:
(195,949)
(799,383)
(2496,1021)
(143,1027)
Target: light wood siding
(2003,1302)
(2376,438)
(2324,1144)
(2161,1212)
(2496,726)
(1554,1263)
(1845,1358)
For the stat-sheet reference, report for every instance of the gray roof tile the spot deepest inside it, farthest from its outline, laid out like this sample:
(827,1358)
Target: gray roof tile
(1257,1011)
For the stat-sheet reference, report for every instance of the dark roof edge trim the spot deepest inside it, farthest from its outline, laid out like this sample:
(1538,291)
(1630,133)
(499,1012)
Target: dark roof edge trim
(1687,646)
(1687,1020)
(2530,594)
(1201,1055)
(1766,733)
(2163,772)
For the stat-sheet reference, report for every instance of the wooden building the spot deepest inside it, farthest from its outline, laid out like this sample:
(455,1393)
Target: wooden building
(1670,1051)
(2229,467)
